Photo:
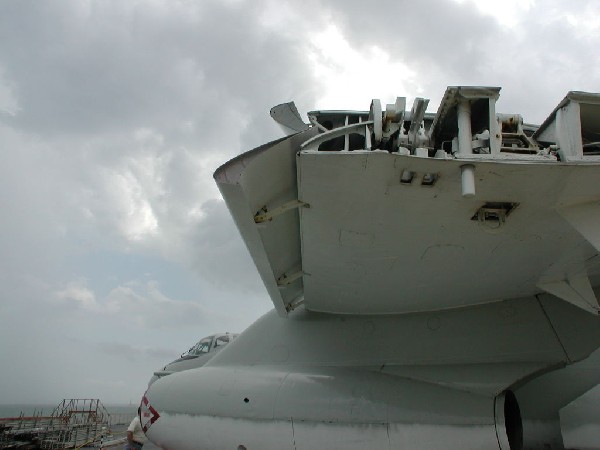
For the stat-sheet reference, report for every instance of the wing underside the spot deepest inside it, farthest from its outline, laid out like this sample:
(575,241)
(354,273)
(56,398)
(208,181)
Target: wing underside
(343,233)
(374,231)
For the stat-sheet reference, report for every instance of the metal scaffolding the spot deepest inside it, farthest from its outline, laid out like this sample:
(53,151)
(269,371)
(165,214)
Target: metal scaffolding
(74,423)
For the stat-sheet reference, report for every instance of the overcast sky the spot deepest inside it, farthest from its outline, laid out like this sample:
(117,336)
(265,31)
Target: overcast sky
(117,252)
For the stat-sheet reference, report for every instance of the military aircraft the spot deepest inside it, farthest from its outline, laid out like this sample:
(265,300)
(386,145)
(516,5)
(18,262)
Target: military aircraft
(196,356)
(434,279)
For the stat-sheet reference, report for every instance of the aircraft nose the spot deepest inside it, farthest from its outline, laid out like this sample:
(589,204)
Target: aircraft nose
(176,407)
(148,414)
(160,398)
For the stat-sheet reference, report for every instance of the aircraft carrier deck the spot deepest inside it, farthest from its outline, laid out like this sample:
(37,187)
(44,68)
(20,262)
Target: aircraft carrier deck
(74,423)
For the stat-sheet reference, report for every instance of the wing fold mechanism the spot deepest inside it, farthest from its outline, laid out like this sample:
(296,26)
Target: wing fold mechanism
(388,211)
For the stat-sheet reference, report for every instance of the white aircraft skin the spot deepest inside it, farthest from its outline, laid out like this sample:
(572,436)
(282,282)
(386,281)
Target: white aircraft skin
(434,288)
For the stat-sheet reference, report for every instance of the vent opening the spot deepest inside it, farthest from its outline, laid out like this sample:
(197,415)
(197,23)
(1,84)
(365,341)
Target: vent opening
(494,212)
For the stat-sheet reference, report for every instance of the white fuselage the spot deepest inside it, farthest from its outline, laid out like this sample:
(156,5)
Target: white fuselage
(428,380)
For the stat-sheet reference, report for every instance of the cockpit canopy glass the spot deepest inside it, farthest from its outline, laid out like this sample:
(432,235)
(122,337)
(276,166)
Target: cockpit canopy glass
(201,347)
(221,340)
(208,344)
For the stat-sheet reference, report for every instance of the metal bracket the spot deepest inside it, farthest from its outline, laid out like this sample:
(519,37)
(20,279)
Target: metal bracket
(286,279)
(265,215)
(315,122)
(294,304)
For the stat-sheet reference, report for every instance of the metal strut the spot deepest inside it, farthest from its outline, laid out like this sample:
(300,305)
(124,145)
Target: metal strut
(266,215)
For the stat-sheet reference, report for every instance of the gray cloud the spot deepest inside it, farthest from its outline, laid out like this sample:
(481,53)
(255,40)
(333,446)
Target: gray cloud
(134,353)
(545,53)
(114,118)
(428,33)
(181,69)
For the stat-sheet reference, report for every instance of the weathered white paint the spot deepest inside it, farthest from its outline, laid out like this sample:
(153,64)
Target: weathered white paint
(191,432)
(425,251)
(465,135)
(429,370)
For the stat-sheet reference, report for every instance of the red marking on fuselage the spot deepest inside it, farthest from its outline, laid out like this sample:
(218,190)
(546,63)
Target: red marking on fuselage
(148,412)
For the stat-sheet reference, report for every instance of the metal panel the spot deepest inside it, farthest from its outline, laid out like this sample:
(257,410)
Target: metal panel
(288,118)
(573,123)
(371,244)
